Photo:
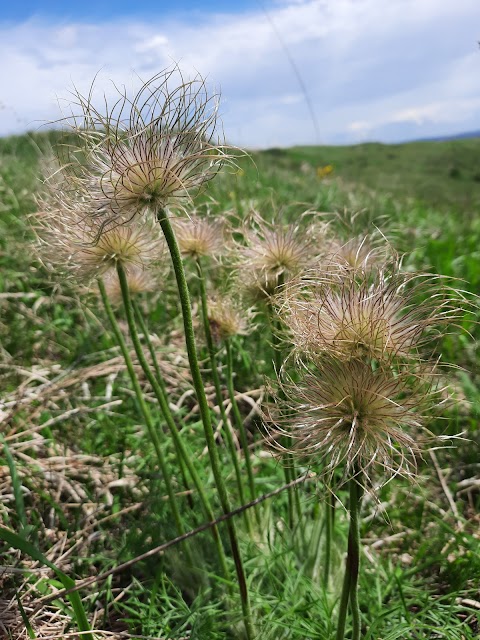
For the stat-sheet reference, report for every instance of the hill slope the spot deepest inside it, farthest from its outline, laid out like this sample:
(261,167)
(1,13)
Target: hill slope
(440,174)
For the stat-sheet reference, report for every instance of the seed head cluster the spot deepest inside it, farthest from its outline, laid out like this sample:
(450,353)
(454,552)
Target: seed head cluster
(200,236)
(363,342)
(363,332)
(272,252)
(130,162)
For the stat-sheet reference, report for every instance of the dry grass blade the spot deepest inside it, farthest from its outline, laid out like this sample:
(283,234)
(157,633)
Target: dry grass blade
(175,541)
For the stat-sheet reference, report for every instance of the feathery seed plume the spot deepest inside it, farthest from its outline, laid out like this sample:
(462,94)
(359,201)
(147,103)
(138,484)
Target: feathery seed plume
(382,315)
(199,236)
(273,251)
(347,415)
(74,244)
(228,317)
(148,152)
(361,253)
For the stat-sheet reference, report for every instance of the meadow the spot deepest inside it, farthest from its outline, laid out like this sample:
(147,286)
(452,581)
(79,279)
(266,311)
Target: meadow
(80,483)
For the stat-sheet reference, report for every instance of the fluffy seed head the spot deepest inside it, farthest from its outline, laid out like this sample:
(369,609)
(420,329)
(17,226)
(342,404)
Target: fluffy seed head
(75,245)
(345,415)
(274,251)
(150,151)
(200,236)
(228,318)
(359,254)
(386,314)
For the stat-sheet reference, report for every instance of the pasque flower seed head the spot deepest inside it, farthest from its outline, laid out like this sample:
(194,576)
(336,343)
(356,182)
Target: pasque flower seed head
(381,314)
(199,236)
(228,317)
(273,251)
(149,152)
(348,416)
(78,246)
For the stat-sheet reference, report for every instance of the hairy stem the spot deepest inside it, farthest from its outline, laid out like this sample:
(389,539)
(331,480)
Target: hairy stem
(158,385)
(163,394)
(329,518)
(205,412)
(218,391)
(289,464)
(152,431)
(356,491)
(239,421)
(352,564)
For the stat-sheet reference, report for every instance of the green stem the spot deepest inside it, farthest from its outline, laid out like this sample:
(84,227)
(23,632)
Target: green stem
(218,391)
(153,433)
(158,385)
(239,422)
(277,358)
(345,597)
(329,517)
(163,393)
(356,491)
(289,464)
(316,549)
(350,579)
(205,412)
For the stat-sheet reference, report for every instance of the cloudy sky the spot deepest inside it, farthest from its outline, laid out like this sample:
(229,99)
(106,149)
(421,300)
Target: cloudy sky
(290,71)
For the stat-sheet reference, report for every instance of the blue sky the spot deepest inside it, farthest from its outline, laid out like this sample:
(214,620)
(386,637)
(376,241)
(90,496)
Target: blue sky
(386,70)
(91,10)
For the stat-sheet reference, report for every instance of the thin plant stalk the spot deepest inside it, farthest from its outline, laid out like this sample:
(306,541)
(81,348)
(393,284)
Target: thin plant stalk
(159,389)
(152,431)
(344,599)
(356,499)
(180,447)
(316,537)
(165,408)
(289,466)
(277,358)
(184,296)
(239,421)
(352,565)
(329,518)
(181,456)
(218,391)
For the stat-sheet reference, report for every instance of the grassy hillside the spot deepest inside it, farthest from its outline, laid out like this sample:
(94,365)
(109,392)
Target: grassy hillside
(79,478)
(441,174)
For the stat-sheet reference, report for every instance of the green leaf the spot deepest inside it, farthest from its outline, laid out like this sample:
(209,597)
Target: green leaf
(79,615)
(16,484)
(26,621)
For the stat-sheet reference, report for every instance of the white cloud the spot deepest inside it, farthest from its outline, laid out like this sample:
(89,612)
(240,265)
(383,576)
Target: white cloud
(360,129)
(371,68)
(156,44)
(291,98)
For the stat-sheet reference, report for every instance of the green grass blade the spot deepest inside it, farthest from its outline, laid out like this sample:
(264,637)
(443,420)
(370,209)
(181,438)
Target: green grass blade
(79,615)
(16,484)
(26,621)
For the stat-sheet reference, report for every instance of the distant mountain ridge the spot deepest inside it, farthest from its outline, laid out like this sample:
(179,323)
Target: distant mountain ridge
(454,136)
